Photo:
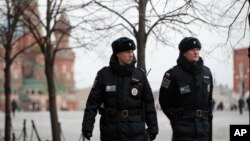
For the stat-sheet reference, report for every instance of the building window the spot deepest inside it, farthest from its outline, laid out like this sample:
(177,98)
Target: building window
(68,77)
(32,92)
(64,68)
(1,74)
(15,75)
(40,92)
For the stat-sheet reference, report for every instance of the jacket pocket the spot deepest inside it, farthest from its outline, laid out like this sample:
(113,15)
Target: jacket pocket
(136,125)
(109,131)
(206,127)
(184,127)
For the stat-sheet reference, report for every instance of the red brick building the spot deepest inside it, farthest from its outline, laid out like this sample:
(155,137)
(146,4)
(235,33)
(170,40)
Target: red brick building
(29,85)
(241,70)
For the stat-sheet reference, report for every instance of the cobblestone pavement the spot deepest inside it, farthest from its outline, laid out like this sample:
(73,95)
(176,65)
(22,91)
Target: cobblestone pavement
(71,125)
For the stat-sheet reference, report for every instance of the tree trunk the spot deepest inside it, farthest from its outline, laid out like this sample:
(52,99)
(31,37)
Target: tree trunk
(141,54)
(249,65)
(49,71)
(7,89)
(141,35)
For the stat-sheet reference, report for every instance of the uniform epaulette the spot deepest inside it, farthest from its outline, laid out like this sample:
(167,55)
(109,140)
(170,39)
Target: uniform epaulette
(142,70)
(206,69)
(103,69)
(172,68)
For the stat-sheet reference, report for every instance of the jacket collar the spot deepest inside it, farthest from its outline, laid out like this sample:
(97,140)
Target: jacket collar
(191,68)
(124,70)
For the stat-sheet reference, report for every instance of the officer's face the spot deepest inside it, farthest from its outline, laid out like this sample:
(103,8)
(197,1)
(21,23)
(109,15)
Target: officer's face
(192,55)
(125,57)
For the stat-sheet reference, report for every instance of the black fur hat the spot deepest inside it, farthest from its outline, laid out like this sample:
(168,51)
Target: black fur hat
(122,44)
(188,43)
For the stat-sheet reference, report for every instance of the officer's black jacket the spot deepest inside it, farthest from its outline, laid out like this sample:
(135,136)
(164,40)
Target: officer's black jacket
(186,88)
(112,90)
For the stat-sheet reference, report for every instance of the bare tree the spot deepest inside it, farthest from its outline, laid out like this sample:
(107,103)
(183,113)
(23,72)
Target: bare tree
(235,21)
(236,17)
(51,25)
(144,18)
(49,51)
(9,40)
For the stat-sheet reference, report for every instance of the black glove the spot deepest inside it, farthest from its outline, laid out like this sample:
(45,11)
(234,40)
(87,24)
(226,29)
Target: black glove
(87,134)
(152,136)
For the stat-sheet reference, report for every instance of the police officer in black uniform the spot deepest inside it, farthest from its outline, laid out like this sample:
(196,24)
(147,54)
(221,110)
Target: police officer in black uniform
(186,94)
(123,96)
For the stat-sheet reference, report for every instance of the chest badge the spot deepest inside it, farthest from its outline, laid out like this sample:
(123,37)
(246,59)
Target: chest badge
(185,89)
(134,91)
(111,88)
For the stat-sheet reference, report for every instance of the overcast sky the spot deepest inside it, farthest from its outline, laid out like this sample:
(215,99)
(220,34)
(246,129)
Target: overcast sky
(161,58)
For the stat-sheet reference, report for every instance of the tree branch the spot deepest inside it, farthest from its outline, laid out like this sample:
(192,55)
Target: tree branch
(230,26)
(22,50)
(111,10)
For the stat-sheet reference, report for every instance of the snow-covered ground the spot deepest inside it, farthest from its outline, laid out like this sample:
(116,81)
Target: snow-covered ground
(71,125)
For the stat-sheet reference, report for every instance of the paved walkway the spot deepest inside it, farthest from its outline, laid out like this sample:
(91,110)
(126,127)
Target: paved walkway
(71,125)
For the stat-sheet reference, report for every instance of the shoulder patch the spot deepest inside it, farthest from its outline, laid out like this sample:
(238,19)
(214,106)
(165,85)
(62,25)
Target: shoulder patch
(165,83)
(166,80)
(167,75)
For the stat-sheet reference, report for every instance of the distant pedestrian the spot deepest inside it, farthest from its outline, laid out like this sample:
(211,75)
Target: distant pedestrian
(234,107)
(13,107)
(220,106)
(241,104)
(213,104)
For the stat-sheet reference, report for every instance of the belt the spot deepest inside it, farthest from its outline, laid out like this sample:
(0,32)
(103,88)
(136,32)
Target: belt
(196,113)
(127,113)
(183,113)
(122,113)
